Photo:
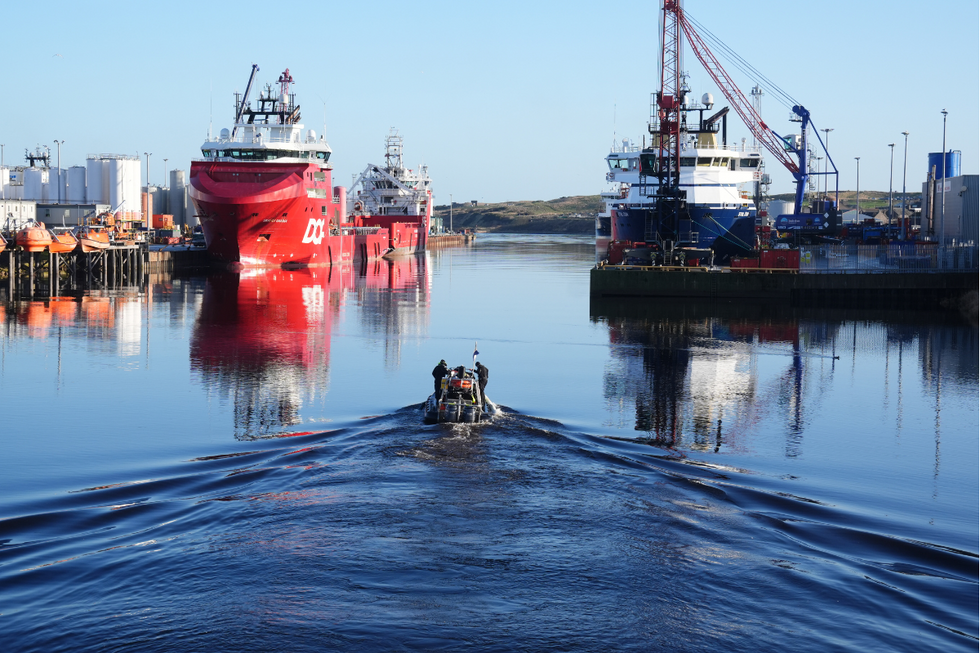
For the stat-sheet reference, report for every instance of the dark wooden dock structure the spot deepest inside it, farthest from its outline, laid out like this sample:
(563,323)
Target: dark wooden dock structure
(30,275)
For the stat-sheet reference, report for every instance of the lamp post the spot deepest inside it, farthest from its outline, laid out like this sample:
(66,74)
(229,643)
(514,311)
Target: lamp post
(905,200)
(942,209)
(826,138)
(891,171)
(165,185)
(59,143)
(147,155)
(857,198)
(450,213)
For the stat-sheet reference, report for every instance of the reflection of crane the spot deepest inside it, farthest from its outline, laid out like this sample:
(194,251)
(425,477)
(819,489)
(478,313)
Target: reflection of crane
(779,147)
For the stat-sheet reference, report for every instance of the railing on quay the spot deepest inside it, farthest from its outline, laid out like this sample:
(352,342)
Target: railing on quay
(905,257)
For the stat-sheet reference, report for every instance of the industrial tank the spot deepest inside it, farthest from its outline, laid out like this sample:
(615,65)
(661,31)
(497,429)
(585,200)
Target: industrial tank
(56,185)
(176,194)
(117,180)
(32,184)
(93,191)
(953,158)
(76,185)
(132,188)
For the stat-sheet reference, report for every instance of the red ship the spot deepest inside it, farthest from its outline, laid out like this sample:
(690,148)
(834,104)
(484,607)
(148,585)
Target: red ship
(264,197)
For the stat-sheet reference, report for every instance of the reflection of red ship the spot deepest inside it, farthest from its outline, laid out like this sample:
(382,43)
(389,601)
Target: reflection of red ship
(264,196)
(263,336)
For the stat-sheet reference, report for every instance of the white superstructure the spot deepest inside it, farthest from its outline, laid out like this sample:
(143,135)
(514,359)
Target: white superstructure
(391,189)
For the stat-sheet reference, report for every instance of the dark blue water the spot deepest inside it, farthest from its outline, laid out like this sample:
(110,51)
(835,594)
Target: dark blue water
(239,463)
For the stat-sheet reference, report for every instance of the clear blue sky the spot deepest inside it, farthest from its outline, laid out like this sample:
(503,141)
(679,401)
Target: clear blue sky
(503,101)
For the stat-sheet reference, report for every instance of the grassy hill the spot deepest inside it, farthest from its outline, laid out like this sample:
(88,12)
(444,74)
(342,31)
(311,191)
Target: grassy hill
(576,215)
(567,215)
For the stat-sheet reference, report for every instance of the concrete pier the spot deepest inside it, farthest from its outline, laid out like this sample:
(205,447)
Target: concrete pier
(911,289)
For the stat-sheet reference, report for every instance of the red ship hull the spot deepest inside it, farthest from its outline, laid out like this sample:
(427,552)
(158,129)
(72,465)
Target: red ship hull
(276,214)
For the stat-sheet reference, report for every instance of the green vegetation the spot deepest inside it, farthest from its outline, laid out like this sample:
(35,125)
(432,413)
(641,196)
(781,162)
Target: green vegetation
(570,215)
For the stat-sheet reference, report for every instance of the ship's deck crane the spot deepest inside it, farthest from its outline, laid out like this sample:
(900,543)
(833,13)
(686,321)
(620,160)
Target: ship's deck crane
(240,108)
(779,147)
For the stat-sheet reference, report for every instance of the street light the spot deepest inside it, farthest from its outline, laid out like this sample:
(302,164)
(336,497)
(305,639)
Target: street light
(890,175)
(147,155)
(857,198)
(165,185)
(59,143)
(450,213)
(942,210)
(827,144)
(905,200)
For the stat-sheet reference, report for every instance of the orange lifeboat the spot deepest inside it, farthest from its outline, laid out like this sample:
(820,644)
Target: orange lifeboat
(62,241)
(92,238)
(34,237)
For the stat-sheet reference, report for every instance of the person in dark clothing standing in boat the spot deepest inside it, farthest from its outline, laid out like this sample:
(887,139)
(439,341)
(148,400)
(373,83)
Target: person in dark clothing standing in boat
(441,371)
(482,373)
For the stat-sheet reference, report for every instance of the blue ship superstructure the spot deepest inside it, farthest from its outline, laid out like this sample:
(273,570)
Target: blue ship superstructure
(719,182)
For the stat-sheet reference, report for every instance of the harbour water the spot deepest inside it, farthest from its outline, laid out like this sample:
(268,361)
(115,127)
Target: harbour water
(238,462)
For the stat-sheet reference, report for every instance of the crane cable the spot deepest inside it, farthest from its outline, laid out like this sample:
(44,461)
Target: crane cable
(741,64)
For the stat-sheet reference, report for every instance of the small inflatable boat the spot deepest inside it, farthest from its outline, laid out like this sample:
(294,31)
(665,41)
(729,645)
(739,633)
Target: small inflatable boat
(461,400)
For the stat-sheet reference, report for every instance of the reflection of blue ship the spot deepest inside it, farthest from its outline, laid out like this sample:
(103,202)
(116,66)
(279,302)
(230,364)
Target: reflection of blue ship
(719,181)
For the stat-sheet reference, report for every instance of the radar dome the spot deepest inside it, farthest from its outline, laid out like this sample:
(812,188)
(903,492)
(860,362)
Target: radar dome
(225,134)
(708,100)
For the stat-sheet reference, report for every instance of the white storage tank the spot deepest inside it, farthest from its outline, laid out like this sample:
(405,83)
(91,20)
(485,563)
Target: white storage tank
(175,199)
(133,190)
(93,191)
(32,184)
(56,185)
(158,200)
(117,177)
(76,185)
(780,207)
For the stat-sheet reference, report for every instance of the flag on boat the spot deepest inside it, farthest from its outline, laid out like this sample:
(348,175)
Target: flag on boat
(476,353)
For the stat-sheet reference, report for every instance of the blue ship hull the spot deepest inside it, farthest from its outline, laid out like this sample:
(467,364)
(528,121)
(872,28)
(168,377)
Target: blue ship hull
(729,232)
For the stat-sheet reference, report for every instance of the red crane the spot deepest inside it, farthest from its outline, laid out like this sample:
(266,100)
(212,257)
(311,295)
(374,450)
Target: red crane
(675,20)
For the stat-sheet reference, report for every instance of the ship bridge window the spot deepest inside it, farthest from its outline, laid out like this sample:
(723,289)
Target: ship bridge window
(687,162)
(750,163)
(619,164)
(719,162)
(704,161)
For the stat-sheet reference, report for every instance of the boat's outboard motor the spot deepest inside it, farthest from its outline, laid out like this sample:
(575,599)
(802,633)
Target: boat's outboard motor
(468,414)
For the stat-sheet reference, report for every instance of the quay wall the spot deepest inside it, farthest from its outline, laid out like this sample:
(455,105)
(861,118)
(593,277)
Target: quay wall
(171,260)
(912,289)
(448,240)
